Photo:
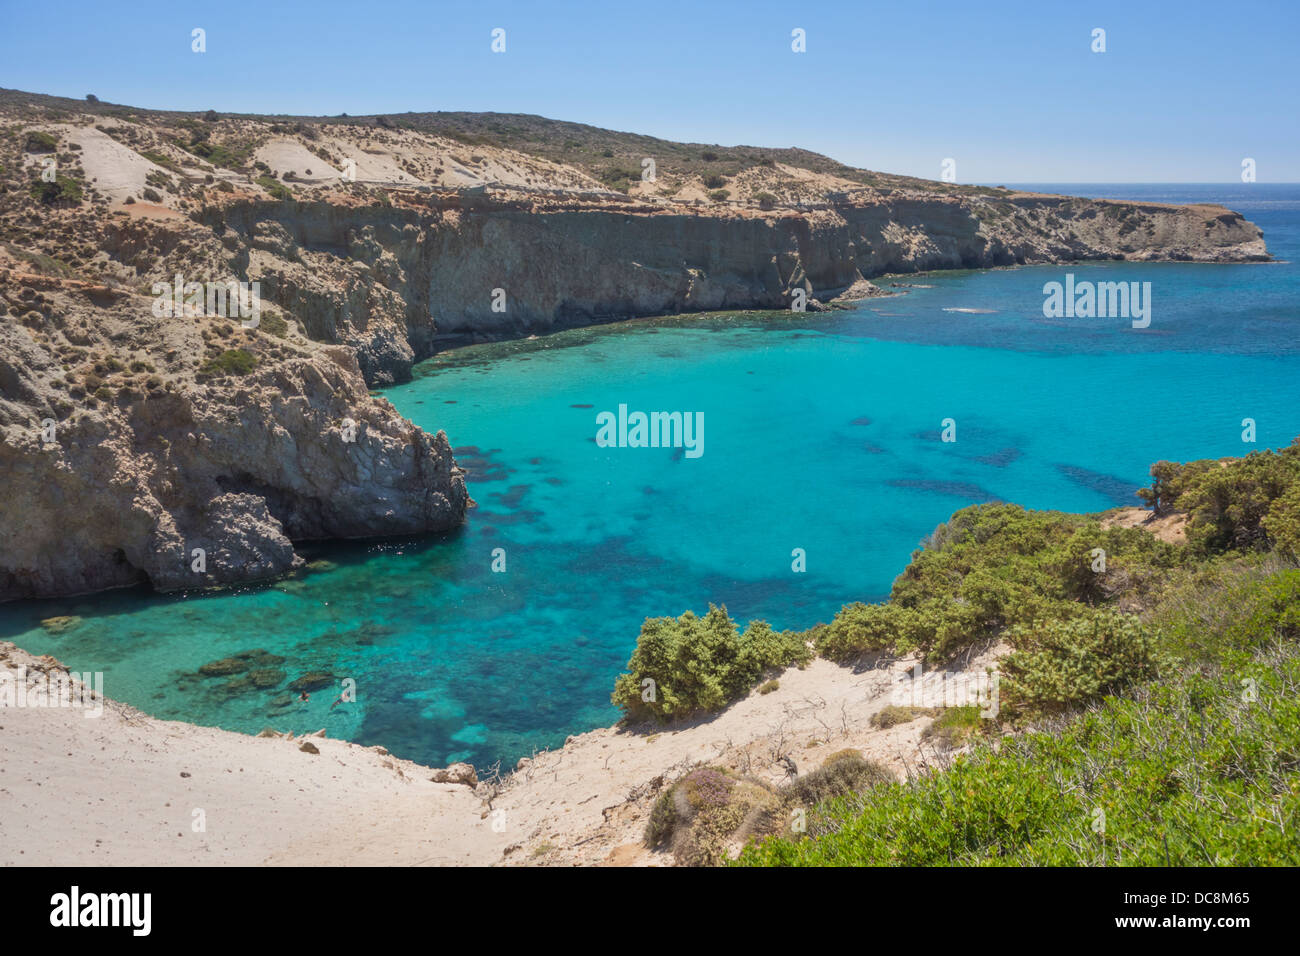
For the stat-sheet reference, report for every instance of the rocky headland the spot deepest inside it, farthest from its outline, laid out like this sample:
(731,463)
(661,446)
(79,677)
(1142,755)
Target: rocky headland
(141,445)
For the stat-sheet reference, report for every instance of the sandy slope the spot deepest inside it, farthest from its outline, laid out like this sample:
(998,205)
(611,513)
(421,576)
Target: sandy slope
(122,788)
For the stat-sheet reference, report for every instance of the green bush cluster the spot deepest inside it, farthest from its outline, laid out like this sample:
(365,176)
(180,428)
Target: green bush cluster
(1235,504)
(230,362)
(1222,612)
(1168,682)
(277,189)
(956,726)
(991,567)
(1058,664)
(700,664)
(38,141)
(62,191)
(1194,772)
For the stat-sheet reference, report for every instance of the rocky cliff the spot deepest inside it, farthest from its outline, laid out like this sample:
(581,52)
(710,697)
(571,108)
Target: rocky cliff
(505,264)
(125,463)
(148,445)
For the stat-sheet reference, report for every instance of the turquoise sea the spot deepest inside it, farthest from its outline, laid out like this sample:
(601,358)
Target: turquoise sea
(821,433)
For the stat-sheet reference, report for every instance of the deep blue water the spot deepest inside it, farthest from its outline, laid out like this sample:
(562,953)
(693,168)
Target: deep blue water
(821,433)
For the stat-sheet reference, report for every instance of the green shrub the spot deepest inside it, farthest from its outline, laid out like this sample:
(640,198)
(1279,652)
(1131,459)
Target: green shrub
(39,142)
(273,323)
(42,263)
(765,200)
(955,726)
(700,664)
(62,191)
(992,566)
(1227,609)
(159,159)
(1192,773)
(218,154)
(861,629)
(1234,504)
(616,177)
(1282,523)
(275,188)
(1058,664)
(230,362)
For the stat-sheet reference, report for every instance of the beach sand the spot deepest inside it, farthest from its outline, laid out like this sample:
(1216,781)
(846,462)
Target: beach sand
(125,789)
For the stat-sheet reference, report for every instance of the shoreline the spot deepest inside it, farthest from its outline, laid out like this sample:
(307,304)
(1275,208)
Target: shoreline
(133,788)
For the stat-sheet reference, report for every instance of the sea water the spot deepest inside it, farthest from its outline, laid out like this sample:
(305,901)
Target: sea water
(822,448)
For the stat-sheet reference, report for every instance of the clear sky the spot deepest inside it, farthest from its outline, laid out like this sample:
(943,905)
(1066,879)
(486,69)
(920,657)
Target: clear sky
(1010,90)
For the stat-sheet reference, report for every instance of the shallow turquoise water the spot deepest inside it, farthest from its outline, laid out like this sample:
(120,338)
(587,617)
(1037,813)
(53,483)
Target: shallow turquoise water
(821,433)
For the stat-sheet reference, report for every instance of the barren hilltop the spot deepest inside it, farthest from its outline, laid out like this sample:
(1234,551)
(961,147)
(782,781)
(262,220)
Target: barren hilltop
(133,440)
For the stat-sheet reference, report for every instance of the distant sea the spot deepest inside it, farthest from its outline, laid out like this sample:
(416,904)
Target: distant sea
(821,434)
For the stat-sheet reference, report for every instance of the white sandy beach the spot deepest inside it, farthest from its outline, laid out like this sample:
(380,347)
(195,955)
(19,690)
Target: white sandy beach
(124,789)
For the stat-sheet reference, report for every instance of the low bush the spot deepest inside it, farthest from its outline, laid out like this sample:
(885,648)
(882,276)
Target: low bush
(275,188)
(230,362)
(1235,504)
(956,726)
(1059,664)
(893,716)
(61,192)
(707,812)
(1189,773)
(842,773)
(38,141)
(700,664)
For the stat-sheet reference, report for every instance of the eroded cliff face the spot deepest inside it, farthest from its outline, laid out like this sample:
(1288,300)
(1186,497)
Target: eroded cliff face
(185,481)
(389,280)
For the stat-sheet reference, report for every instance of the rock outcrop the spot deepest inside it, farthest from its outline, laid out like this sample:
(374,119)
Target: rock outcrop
(180,480)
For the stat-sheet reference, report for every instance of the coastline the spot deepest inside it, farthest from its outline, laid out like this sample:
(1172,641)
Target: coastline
(132,787)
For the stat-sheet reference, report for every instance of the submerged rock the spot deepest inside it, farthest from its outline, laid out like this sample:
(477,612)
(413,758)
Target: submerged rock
(312,681)
(224,667)
(57,625)
(262,678)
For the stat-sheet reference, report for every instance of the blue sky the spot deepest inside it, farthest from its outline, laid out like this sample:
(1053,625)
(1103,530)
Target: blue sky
(1010,90)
